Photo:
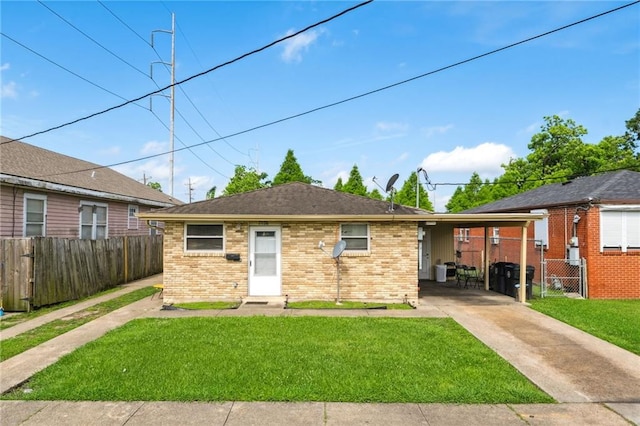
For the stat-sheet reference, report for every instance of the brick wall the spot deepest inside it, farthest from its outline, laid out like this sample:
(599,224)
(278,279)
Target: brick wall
(612,274)
(388,272)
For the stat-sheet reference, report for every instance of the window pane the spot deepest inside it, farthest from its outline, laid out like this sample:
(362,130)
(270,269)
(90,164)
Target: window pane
(101,232)
(34,231)
(205,230)
(85,232)
(633,229)
(35,206)
(611,228)
(356,243)
(265,264)
(354,230)
(86,215)
(35,217)
(204,243)
(101,215)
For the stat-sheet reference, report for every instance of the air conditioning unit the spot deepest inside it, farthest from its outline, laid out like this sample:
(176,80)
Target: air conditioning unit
(495,240)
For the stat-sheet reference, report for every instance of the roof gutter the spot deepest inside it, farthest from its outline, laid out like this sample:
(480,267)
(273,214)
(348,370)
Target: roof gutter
(491,219)
(48,186)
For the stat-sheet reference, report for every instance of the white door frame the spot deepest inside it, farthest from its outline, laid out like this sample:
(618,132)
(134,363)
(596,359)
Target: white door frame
(269,284)
(424,254)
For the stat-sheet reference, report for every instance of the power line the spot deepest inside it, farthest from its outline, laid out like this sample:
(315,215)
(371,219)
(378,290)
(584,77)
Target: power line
(189,148)
(361,95)
(253,52)
(189,99)
(124,23)
(179,113)
(66,69)
(92,39)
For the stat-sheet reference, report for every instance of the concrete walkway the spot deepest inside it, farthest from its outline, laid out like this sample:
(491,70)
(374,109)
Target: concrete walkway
(594,382)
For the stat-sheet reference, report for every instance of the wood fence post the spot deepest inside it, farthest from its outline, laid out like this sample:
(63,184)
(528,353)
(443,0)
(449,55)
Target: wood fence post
(126,259)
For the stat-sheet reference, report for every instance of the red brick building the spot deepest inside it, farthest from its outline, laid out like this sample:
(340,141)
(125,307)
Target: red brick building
(592,228)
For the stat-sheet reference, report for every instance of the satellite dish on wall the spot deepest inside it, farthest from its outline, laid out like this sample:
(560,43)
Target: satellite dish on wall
(338,249)
(392,180)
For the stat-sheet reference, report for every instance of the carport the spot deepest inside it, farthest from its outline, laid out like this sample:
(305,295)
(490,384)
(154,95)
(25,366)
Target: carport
(440,226)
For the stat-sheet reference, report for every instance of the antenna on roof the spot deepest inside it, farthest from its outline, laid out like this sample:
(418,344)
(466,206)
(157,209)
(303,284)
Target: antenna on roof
(390,189)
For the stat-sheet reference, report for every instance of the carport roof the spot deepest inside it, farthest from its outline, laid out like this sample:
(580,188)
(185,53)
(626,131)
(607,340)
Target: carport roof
(301,202)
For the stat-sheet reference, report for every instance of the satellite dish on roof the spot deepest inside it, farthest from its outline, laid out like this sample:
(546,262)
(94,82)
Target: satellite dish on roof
(390,189)
(391,181)
(338,249)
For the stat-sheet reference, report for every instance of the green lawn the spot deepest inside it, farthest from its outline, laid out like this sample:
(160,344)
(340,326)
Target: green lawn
(32,338)
(285,359)
(616,321)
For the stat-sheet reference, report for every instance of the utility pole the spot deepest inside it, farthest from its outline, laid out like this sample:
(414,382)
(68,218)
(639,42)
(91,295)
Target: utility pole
(172,96)
(145,179)
(190,188)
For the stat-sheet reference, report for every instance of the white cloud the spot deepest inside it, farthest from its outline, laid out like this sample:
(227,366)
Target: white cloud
(199,182)
(485,158)
(9,90)
(4,67)
(436,130)
(294,47)
(154,147)
(112,150)
(391,127)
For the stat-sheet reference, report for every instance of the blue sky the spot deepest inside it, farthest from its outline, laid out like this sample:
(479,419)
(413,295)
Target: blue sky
(471,117)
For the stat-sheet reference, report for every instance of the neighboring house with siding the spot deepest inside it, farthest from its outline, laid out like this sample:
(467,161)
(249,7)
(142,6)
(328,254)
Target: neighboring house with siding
(266,243)
(596,218)
(44,193)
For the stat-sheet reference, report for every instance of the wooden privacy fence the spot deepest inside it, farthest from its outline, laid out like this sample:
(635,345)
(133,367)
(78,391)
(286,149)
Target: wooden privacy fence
(45,270)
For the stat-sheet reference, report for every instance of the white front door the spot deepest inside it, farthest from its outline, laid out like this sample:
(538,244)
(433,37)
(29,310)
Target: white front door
(264,261)
(424,254)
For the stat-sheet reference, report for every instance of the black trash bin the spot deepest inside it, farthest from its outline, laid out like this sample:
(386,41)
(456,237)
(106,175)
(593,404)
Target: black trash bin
(510,278)
(515,280)
(500,272)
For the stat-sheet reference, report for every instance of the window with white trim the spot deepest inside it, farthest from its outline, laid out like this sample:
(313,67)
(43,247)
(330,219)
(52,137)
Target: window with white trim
(356,235)
(463,234)
(541,229)
(202,237)
(35,215)
(132,222)
(495,235)
(93,220)
(619,229)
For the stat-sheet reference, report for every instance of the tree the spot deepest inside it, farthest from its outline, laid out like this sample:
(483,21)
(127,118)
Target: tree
(556,149)
(633,130)
(475,193)
(339,185)
(155,185)
(355,184)
(245,180)
(211,193)
(376,195)
(290,171)
(407,194)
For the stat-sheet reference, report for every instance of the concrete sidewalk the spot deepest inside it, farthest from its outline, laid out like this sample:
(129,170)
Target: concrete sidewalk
(595,382)
(43,413)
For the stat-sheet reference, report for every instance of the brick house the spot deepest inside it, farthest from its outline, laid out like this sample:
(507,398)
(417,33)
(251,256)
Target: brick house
(595,218)
(43,193)
(266,243)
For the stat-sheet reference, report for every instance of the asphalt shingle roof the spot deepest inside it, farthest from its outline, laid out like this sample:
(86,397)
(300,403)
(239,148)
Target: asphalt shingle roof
(291,199)
(24,160)
(620,187)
